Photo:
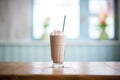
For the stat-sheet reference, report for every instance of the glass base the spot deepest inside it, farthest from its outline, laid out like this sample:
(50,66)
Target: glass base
(57,65)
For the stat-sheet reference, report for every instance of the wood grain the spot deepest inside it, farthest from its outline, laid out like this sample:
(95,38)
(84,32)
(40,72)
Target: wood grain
(71,71)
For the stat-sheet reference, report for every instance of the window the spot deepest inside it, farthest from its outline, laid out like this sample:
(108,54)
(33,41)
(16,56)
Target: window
(96,8)
(55,11)
(82,19)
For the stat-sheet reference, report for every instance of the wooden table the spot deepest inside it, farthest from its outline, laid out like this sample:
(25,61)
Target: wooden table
(71,71)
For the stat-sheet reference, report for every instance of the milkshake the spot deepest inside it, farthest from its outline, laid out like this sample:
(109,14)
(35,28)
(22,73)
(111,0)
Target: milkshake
(57,43)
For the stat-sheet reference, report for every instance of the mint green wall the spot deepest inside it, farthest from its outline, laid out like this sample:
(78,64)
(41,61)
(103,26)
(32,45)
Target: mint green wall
(28,53)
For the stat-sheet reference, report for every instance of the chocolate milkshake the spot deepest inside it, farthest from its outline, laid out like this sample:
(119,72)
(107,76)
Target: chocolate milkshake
(57,42)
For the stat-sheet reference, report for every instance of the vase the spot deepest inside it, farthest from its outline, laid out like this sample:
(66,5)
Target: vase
(44,36)
(103,34)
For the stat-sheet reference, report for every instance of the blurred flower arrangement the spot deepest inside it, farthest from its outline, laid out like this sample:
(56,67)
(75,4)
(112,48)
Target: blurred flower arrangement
(102,24)
(45,28)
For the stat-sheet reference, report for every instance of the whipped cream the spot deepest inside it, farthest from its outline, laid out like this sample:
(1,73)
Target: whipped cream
(56,32)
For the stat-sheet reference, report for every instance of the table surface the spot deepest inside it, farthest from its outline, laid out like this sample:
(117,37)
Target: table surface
(104,69)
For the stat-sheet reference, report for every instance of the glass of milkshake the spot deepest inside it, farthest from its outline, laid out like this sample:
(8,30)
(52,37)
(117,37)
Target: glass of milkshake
(57,43)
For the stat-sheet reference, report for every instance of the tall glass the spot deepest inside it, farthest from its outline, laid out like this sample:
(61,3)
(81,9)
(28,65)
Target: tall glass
(57,43)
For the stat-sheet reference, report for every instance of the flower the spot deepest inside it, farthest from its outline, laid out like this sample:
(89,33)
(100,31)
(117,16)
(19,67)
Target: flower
(102,19)
(46,23)
(102,24)
(45,27)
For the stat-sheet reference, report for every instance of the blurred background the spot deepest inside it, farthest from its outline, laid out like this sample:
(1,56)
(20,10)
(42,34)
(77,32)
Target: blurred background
(92,29)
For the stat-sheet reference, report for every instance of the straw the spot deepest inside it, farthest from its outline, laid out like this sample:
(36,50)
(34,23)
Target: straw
(64,23)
